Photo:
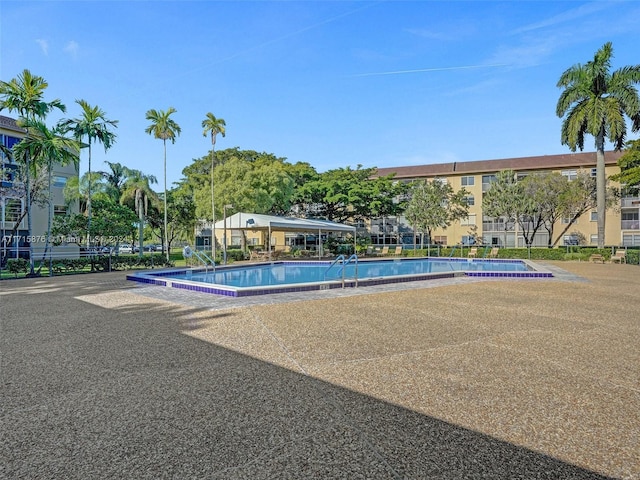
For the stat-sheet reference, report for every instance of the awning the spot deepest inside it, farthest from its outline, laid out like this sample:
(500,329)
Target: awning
(269,223)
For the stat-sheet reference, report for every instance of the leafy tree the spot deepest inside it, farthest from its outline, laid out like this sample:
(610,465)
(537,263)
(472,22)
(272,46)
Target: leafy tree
(549,190)
(45,147)
(95,127)
(213,126)
(182,219)
(530,216)
(629,164)
(251,181)
(23,95)
(330,194)
(595,101)
(164,128)
(578,197)
(39,196)
(434,204)
(111,221)
(501,200)
(378,197)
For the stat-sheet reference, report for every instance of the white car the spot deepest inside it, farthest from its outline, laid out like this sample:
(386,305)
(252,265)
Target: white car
(125,248)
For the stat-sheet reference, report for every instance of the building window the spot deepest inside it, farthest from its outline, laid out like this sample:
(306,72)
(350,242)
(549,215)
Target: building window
(593,172)
(631,240)
(12,209)
(570,174)
(470,220)
(630,219)
(468,240)
(470,200)
(59,210)
(440,180)
(440,239)
(59,182)
(8,141)
(468,181)
(594,216)
(593,239)
(487,180)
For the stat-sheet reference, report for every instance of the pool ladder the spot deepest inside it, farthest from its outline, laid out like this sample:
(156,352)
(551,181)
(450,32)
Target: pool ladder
(341,258)
(206,261)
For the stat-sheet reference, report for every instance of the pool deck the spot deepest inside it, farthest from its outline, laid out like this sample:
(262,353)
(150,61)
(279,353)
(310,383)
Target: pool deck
(453,378)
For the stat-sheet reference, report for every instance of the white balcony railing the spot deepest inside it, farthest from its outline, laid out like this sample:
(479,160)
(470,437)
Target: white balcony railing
(630,225)
(629,202)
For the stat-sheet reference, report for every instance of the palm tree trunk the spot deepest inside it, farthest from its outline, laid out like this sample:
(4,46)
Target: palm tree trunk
(601,207)
(140,208)
(166,233)
(29,219)
(49,220)
(213,211)
(89,201)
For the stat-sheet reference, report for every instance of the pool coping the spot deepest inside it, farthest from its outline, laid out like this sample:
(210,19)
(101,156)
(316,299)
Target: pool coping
(152,277)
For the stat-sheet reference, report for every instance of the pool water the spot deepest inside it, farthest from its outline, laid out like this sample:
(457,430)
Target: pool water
(284,273)
(296,276)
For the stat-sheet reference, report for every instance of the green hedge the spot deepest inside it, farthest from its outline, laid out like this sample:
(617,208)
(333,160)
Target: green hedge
(61,266)
(17,265)
(538,253)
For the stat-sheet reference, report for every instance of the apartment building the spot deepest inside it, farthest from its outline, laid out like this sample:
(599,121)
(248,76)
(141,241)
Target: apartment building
(622,224)
(13,201)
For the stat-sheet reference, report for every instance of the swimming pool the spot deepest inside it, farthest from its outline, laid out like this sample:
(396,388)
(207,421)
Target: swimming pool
(296,276)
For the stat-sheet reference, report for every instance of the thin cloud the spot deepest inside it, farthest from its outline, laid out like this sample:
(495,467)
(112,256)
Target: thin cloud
(568,16)
(72,49)
(423,70)
(528,54)
(44,45)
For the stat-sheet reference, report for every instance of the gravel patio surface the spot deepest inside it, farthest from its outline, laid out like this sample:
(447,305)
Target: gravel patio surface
(532,379)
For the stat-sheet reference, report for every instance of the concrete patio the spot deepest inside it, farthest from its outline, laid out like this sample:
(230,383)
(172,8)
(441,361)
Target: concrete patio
(533,379)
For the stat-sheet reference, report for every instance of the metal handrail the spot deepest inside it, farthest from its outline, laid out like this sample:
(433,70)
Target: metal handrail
(344,264)
(338,258)
(204,258)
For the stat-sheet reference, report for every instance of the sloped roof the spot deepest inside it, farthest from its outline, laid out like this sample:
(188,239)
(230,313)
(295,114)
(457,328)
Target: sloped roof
(256,221)
(543,162)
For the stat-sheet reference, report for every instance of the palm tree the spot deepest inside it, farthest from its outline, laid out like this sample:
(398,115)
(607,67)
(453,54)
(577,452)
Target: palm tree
(77,190)
(137,188)
(164,128)
(213,126)
(115,178)
(23,95)
(45,147)
(595,101)
(94,126)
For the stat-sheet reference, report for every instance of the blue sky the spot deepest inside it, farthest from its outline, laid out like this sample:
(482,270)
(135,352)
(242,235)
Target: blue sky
(332,83)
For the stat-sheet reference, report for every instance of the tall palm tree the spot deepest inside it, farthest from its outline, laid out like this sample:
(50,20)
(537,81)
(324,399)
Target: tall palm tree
(164,128)
(213,126)
(595,101)
(94,126)
(137,188)
(45,147)
(23,95)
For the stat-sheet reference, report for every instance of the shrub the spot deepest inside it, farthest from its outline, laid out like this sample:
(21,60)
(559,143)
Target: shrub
(235,255)
(17,265)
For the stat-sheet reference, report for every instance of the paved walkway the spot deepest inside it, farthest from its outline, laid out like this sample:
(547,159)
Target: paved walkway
(103,378)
